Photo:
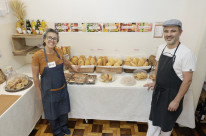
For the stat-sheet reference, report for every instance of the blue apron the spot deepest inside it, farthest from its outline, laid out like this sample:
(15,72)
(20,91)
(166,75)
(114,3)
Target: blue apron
(166,89)
(55,103)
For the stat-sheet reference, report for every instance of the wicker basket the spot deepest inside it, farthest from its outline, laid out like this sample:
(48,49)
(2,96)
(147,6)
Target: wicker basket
(129,69)
(84,69)
(100,69)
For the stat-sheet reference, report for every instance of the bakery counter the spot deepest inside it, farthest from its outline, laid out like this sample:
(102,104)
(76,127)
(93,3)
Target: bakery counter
(114,101)
(103,101)
(21,117)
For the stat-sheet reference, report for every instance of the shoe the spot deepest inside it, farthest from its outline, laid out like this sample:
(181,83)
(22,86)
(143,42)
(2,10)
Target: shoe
(66,131)
(60,134)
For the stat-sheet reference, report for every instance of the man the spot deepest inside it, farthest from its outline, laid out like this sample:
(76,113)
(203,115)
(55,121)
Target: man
(174,70)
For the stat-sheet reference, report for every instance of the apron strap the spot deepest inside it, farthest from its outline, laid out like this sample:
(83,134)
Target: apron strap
(163,49)
(174,56)
(57,54)
(46,55)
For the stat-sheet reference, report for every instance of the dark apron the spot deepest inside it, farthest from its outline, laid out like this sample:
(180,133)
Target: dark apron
(55,103)
(165,90)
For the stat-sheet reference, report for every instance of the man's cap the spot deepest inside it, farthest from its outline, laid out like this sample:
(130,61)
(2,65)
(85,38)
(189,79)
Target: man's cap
(173,22)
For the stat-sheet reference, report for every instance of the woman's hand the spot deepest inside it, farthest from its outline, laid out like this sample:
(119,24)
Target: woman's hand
(150,85)
(76,68)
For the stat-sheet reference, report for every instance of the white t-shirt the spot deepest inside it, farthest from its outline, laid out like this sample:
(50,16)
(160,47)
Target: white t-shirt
(185,58)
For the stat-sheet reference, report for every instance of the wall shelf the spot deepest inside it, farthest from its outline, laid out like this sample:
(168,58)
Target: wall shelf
(21,47)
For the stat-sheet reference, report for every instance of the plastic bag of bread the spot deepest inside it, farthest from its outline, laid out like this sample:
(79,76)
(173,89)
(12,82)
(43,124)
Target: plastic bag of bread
(107,77)
(128,81)
(140,74)
(152,75)
(17,82)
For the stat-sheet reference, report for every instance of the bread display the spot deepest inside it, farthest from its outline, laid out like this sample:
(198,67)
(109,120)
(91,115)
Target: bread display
(79,78)
(152,75)
(140,74)
(105,61)
(17,83)
(65,49)
(82,60)
(135,61)
(152,60)
(67,76)
(91,79)
(106,77)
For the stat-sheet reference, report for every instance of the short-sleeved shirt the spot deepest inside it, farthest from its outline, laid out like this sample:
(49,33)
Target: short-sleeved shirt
(38,59)
(185,59)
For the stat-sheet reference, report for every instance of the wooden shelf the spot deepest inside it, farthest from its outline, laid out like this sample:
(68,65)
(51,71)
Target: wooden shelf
(20,48)
(26,36)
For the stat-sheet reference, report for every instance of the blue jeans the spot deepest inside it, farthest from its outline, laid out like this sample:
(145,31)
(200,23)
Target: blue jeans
(58,124)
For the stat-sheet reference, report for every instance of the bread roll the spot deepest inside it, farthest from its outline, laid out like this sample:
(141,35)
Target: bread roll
(104,61)
(93,61)
(80,62)
(99,62)
(140,63)
(145,64)
(127,63)
(87,62)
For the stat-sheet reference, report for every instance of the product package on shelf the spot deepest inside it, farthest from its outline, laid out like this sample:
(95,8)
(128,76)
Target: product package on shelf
(66,51)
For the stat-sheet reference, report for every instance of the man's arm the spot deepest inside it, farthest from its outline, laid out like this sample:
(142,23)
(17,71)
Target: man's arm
(187,80)
(35,74)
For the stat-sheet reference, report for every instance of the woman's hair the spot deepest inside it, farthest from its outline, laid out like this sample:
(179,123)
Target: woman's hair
(47,31)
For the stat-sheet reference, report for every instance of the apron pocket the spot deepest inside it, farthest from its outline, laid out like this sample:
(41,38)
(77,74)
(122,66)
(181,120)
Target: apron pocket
(58,88)
(58,96)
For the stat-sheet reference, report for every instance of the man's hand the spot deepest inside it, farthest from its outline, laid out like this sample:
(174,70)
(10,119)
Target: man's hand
(150,85)
(173,105)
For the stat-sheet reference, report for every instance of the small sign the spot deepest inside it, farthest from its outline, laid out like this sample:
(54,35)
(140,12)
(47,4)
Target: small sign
(62,27)
(144,27)
(158,30)
(111,27)
(94,27)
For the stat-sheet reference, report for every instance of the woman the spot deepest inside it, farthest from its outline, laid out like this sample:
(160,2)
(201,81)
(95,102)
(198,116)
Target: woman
(48,62)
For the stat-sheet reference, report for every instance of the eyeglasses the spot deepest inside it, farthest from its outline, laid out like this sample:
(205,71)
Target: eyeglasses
(52,38)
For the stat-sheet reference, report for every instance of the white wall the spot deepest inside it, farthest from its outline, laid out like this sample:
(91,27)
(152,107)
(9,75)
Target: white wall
(191,12)
(7,28)
(120,44)
(194,30)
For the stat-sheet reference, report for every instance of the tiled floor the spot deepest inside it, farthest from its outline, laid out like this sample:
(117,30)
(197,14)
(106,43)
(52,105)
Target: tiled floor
(79,127)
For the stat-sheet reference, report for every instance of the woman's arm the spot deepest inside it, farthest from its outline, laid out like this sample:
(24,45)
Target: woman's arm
(35,73)
(68,64)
